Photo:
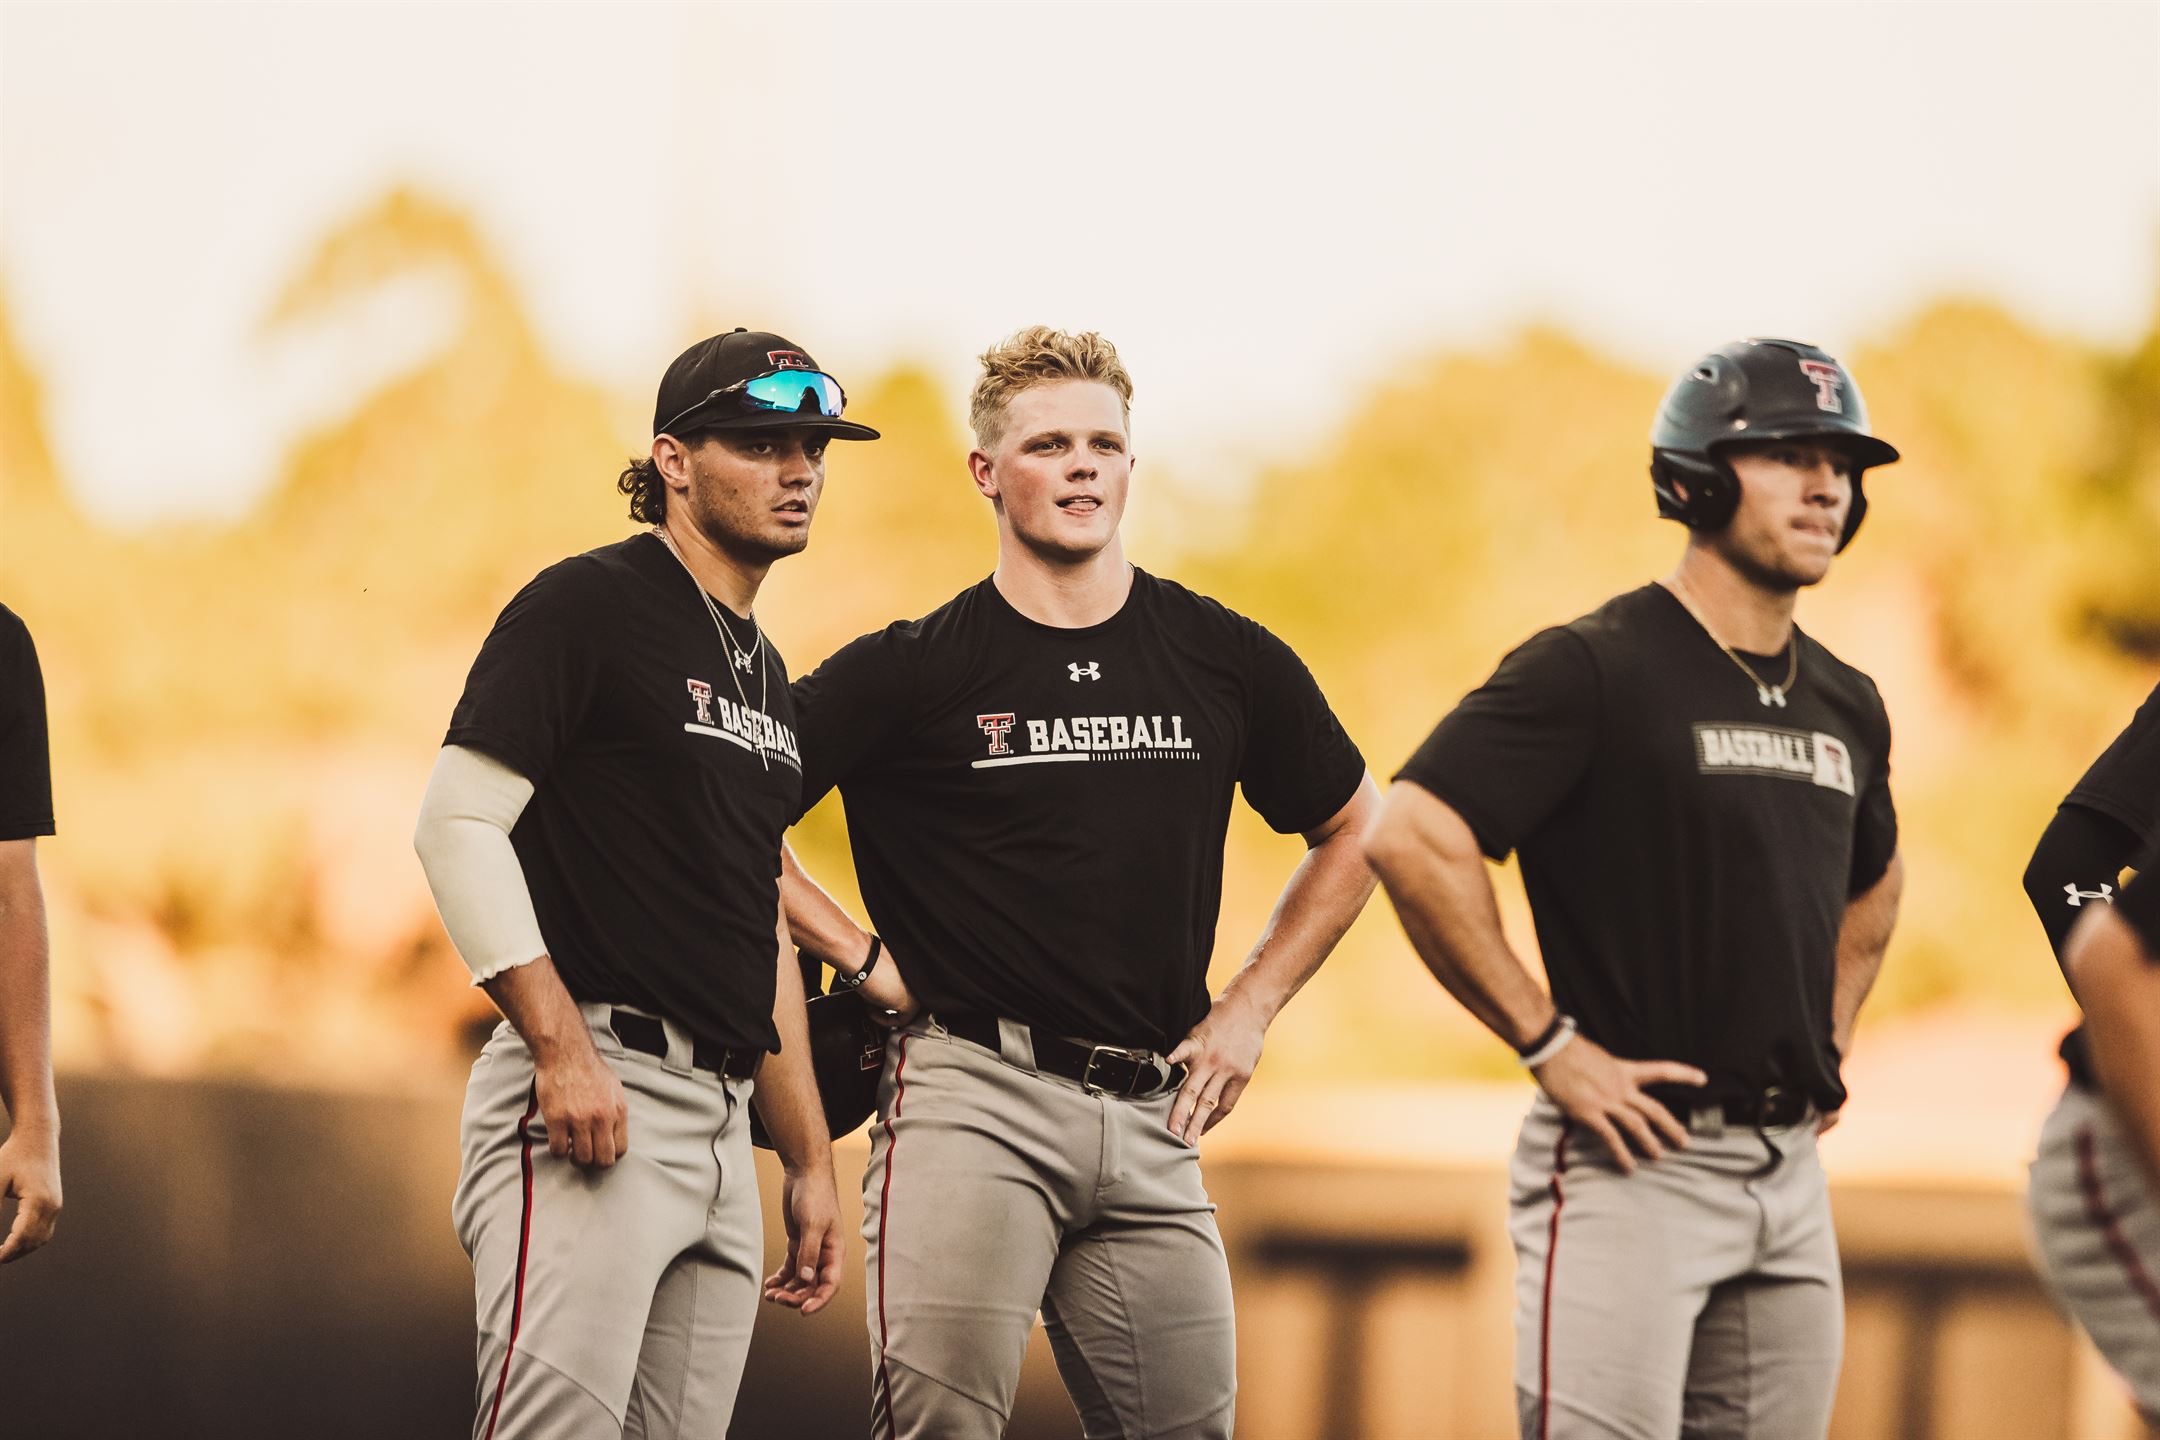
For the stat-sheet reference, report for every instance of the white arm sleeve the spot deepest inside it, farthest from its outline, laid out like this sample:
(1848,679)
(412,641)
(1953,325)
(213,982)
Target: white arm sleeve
(463,839)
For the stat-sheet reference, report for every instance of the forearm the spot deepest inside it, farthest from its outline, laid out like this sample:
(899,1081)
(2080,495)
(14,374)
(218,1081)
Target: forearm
(1863,938)
(533,999)
(823,929)
(2117,984)
(787,1093)
(26,1083)
(1323,897)
(1434,873)
(820,925)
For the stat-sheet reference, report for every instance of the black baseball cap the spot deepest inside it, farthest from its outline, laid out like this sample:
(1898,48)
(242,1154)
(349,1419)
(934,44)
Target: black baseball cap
(750,380)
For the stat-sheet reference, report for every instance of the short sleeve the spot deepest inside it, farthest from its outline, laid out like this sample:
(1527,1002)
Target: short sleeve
(1507,756)
(1875,824)
(26,804)
(848,710)
(1300,765)
(537,671)
(2125,781)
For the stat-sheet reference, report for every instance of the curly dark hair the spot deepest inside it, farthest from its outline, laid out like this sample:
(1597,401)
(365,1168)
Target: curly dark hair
(640,480)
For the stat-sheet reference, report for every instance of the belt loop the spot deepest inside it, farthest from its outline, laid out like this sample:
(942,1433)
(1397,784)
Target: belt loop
(1015,1045)
(681,1049)
(600,1019)
(1708,1120)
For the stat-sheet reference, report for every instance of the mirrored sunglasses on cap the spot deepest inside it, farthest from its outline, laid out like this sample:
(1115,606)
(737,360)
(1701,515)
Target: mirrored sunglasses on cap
(783,392)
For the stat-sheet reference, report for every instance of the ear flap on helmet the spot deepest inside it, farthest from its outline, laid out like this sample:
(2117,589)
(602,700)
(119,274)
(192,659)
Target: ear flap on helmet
(1701,494)
(1857,512)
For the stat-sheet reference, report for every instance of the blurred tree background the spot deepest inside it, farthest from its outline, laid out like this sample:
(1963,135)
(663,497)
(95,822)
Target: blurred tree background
(244,714)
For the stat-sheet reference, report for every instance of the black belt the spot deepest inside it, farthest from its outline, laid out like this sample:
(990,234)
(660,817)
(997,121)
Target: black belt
(1118,1070)
(648,1036)
(1764,1109)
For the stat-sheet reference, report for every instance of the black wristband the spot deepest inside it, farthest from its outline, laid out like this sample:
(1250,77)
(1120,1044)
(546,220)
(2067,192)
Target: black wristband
(1545,1037)
(854,982)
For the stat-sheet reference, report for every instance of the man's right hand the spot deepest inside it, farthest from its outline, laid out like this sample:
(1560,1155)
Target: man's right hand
(582,1101)
(1604,1094)
(891,1003)
(30,1174)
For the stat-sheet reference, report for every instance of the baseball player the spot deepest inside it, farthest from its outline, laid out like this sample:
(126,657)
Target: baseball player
(1038,776)
(602,835)
(1700,796)
(30,1157)
(2092,1198)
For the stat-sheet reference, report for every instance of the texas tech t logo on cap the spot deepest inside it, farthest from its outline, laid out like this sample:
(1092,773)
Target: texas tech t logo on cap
(1827,379)
(997,727)
(788,360)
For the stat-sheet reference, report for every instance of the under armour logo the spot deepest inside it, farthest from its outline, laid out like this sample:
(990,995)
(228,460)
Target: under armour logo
(701,696)
(742,661)
(1827,380)
(997,727)
(2079,897)
(1089,671)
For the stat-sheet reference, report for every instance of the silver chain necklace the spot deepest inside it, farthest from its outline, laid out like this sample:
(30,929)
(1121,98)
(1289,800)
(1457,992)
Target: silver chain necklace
(738,658)
(1766,693)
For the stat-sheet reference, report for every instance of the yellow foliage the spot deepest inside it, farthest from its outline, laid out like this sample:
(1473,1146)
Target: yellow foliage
(244,715)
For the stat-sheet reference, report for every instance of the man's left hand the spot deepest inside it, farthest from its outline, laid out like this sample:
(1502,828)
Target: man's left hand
(1219,1058)
(810,1271)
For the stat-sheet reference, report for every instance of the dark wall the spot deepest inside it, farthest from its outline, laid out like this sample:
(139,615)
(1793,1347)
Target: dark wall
(237,1261)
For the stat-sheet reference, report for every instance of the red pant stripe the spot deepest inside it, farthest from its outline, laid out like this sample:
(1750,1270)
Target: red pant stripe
(892,1425)
(1552,1251)
(2096,1209)
(517,1299)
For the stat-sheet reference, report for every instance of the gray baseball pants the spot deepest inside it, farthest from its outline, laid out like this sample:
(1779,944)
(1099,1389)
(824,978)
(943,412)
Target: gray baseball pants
(2096,1229)
(1699,1297)
(995,1192)
(611,1302)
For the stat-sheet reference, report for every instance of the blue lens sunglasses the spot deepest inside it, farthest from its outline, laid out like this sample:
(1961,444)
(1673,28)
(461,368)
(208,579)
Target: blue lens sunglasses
(785,392)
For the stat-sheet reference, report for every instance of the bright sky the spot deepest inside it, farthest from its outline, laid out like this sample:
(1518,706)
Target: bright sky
(1266,207)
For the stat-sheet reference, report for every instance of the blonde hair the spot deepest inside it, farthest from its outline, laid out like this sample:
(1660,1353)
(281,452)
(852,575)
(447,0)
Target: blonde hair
(1035,356)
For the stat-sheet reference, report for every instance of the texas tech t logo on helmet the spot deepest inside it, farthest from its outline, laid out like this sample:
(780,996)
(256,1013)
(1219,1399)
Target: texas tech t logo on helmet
(1828,378)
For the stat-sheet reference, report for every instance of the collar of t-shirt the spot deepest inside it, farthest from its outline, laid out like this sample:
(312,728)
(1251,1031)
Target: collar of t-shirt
(1123,618)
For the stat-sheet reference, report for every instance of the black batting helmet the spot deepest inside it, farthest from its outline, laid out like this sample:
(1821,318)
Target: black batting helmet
(1754,390)
(847,1051)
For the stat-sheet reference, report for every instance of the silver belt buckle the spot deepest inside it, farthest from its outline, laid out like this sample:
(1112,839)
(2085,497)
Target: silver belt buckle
(1095,1053)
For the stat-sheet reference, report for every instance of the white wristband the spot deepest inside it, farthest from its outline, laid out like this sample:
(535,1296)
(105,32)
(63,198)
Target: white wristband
(1551,1047)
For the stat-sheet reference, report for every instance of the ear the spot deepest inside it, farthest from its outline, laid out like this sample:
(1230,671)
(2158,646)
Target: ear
(980,471)
(672,459)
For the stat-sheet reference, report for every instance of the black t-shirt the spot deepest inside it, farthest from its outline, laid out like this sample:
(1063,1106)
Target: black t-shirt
(1037,813)
(1688,851)
(652,841)
(2124,785)
(26,806)
(2125,781)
